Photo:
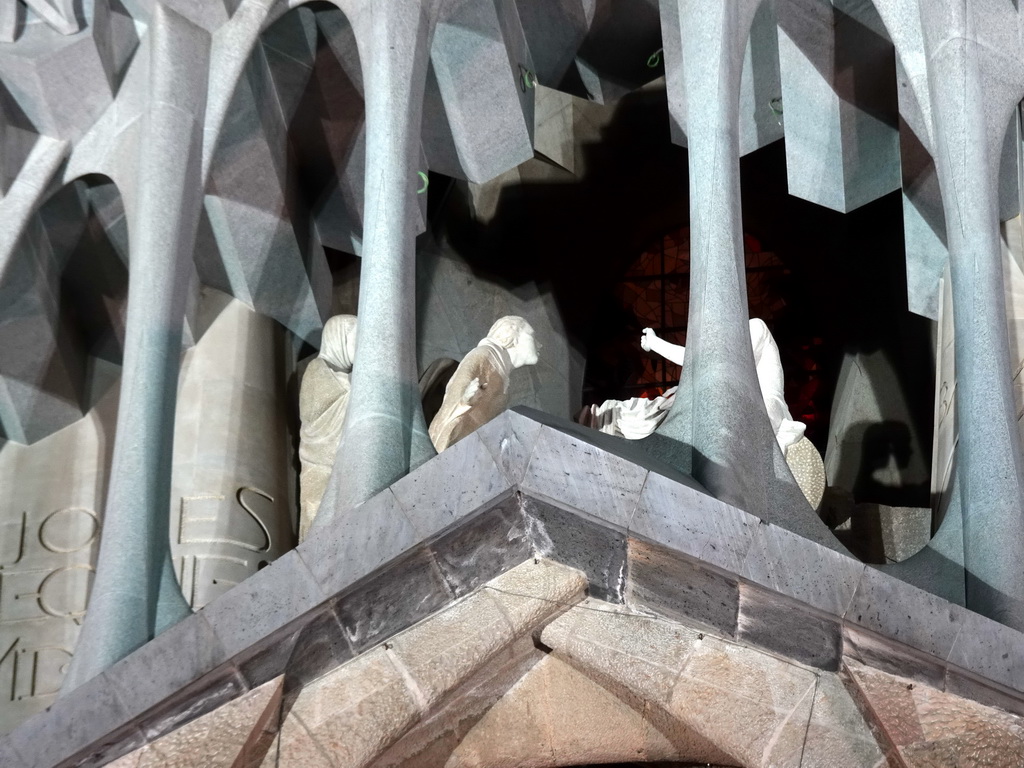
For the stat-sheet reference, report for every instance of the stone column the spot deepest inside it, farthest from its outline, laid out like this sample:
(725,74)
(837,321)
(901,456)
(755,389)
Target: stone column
(385,434)
(720,414)
(134,594)
(974,90)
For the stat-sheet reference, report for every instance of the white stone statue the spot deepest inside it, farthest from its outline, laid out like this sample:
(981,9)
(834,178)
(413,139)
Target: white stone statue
(323,401)
(478,390)
(769,376)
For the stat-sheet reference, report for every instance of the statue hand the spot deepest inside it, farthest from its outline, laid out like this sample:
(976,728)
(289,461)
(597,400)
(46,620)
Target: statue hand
(646,340)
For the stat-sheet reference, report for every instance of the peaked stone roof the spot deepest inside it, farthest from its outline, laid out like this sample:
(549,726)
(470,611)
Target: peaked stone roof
(642,534)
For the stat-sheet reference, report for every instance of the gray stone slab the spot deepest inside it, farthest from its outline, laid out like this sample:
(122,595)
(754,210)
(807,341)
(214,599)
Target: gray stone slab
(301,655)
(263,603)
(659,580)
(486,546)
(71,724)
(784,627)
(457,483)
(196,700)
(584,477)
(8,757)
(694,523)
(171,661)
(510,438)
(799,568)
(898,611)
(571,539)
(989,650)
(379,608)
(357,542)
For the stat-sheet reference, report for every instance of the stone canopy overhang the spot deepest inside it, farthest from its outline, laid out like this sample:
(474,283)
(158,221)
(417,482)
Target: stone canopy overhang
(526,486)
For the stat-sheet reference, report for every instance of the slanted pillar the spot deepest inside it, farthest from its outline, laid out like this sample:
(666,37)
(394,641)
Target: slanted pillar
(974,89)
(720,413)
(385,434)
(135,594)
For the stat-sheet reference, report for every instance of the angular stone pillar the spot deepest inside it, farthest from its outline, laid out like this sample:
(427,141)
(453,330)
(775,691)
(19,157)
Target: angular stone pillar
(135,594)
(976,81)
(720,418)
(385,435)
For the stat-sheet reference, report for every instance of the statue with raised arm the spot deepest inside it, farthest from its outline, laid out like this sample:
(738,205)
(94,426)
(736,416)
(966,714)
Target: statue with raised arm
(323,402)
(478,390)
(769,376)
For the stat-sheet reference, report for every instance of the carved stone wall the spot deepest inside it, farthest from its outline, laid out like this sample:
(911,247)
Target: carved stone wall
(233,486)
(50,518)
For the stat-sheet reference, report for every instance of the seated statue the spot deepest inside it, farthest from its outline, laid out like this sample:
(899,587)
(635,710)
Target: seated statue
(769,376)
(478,390)
(323,401)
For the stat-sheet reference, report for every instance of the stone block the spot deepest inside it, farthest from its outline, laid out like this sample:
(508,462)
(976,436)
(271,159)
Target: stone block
(302,655)
(451,645)
(410,590)
(739,697)
(205,695)
(898,611)
(173,660)
(584,477)
(661,581)
(802,569)
(458,482)
(788,629)
(486,546)
(357,542)
(989,650)
(535,589)
(868,648)
(639,656)
(351,714)
(595,549)
(694,523)
(263,603)
(837,735)
(71,724)
(510,438)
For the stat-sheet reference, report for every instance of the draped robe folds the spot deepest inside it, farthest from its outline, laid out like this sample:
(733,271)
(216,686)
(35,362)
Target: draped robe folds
(323,403)
(467,405)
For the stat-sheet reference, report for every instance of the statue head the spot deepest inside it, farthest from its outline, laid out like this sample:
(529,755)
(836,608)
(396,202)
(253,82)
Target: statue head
(516,335)
(338,344)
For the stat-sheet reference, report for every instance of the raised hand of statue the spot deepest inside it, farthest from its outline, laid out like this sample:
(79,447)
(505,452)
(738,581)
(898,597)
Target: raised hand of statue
(648,339)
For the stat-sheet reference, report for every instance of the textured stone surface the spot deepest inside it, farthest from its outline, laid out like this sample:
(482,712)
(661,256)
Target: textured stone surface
(597,550)
(413,589)
(349,715)
(226,737)
(694,523)
(801,569)
(683,590)
(440,493)
(930,727)
(358,542)
(584,477)
(510,438)
(485,546)
(452,644)
(906,614)
(778,625)
(263,604)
